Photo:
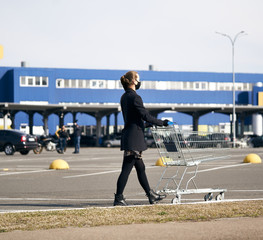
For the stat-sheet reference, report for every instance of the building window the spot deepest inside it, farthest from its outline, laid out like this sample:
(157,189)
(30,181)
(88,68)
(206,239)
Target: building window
(30,81)
(176,85)
(81,83)
(111,84)
(155,85)
(74,83)
(44,81)
(38,81)
(119,85)
(191,86)
(60,83)
(185,85)
(33,81)
(212,86)
(148,85)
(67,83)
(98,84)
(202,86)
(22,81)
(87,84)
(161,85)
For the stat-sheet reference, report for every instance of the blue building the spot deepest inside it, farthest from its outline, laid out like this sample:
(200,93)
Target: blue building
(64,95)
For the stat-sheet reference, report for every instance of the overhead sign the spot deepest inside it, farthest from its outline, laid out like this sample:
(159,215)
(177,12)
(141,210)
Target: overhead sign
(1,52)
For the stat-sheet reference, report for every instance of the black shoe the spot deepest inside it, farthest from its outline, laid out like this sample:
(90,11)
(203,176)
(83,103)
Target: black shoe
(154,197)
(119,200)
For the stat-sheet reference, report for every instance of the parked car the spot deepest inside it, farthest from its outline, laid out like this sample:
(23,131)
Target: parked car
(256,142)
(12,141)
(220,140)
(249,139)
(215,140)
(197,141)
(113,141)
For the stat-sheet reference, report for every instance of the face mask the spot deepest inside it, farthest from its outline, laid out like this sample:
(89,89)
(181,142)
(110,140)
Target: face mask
(138,85)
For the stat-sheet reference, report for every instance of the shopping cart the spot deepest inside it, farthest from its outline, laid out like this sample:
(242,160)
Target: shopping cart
(181,152)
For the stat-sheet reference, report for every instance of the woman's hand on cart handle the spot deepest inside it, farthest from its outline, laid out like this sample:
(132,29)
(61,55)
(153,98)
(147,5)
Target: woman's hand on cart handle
(166,123)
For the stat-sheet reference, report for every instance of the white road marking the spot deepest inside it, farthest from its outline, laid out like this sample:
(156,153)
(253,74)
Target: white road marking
(222,167)
(245,190)
(99,173)
(109,199)
(51,199)
(225,200)
(92,174)
(17,173)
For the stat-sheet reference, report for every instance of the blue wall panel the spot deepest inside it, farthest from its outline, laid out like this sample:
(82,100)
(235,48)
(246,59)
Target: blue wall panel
(7,87)
(10,91)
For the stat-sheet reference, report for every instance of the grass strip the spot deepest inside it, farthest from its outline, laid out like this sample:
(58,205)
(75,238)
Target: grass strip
(92,217)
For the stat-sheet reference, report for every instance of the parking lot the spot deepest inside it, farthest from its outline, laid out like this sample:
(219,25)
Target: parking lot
(27,183)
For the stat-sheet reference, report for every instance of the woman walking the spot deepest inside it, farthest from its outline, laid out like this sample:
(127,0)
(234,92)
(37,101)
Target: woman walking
(132,141)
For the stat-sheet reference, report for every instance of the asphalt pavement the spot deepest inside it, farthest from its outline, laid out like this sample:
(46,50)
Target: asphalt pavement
(27,183)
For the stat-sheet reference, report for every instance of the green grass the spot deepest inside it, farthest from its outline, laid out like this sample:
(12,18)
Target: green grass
(92,217)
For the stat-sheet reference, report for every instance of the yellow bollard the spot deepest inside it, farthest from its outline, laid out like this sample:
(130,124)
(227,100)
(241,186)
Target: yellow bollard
(59,164)
(252,158)
(161,161)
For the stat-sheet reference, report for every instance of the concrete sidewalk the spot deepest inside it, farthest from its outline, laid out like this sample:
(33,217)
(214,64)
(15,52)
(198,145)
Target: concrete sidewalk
(237,228)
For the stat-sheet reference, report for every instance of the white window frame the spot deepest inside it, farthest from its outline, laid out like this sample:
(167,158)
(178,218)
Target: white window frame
(200,86)
(59,83)
(161,85)
(158,85)
(97,84)
(111,84)
(42,80)
(74,82)
(212,86)
(67,83)
(24,81)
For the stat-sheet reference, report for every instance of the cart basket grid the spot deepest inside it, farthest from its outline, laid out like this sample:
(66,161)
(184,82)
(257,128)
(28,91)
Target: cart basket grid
(181,152)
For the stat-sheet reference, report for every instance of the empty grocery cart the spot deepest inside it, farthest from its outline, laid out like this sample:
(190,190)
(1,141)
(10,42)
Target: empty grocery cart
(182,152)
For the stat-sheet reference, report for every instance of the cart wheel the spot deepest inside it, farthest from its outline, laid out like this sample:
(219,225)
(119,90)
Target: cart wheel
(208,197)
(177,199)
(220,196)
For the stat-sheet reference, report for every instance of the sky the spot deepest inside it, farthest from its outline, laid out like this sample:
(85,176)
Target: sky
(171,35)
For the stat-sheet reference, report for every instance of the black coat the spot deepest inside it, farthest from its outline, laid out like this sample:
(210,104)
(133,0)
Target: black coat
(134,115)
(77,131)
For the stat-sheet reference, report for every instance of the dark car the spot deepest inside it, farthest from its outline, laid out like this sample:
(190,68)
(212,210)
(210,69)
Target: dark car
(12,141)
(220,140)
(214,140)
(197,141)
(256,142)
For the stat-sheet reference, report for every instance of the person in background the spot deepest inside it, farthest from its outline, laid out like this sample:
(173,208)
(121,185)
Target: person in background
(132,140)
(77,136)
(63,137)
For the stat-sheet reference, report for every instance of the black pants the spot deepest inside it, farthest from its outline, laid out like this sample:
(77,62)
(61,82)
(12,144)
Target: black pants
(127,165)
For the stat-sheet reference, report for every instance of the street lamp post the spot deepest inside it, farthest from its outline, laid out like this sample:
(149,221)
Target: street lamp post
(233,76)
